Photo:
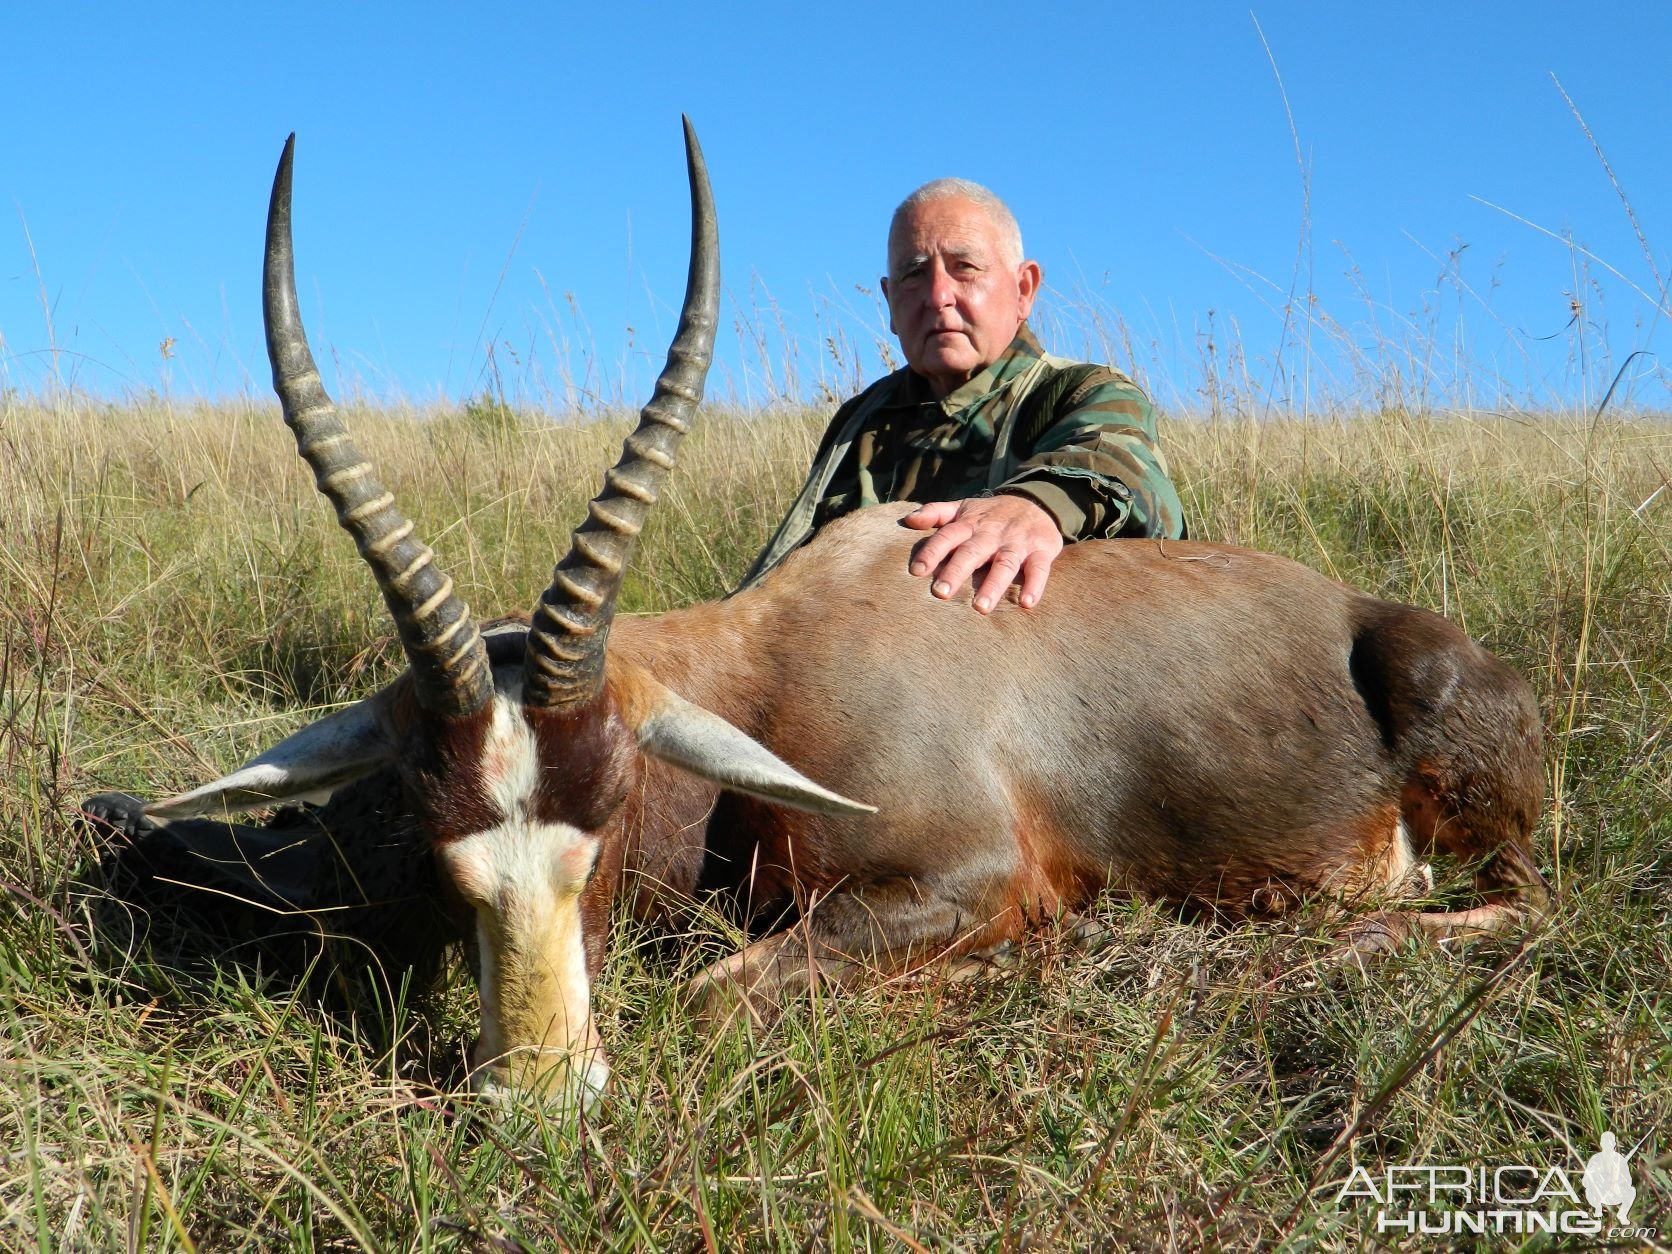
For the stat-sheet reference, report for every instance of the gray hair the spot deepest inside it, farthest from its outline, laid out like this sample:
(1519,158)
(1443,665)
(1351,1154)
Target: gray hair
(1010,234)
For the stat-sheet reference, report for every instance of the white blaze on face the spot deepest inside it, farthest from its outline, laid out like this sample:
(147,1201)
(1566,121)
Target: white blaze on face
(524,879)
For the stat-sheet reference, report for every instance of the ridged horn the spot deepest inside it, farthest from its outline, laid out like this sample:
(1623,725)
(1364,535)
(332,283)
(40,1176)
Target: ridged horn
(563,666)
(448,658)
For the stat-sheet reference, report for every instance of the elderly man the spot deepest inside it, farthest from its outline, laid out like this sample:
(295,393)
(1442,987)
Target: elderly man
(1012,451)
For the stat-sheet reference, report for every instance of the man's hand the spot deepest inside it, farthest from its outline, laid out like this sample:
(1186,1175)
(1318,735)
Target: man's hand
(1009,535)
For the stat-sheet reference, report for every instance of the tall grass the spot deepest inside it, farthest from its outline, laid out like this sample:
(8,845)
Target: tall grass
(174,598)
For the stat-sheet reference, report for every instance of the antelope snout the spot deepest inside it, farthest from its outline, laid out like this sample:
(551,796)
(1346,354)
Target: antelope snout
(565,1081)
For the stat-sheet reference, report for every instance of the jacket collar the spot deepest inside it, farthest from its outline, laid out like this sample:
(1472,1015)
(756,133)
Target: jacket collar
(1023,351)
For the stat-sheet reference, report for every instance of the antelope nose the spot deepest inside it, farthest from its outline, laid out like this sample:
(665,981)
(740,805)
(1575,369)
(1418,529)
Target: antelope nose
(564,1082)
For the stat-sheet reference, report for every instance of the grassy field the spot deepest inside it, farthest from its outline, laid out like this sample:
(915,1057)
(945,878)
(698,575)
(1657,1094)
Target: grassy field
(173,597)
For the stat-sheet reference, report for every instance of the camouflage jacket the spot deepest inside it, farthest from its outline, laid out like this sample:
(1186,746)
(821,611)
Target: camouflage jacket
(1079,440)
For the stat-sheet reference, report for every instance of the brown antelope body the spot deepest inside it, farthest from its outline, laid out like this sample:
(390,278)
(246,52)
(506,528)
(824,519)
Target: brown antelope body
(1207,725)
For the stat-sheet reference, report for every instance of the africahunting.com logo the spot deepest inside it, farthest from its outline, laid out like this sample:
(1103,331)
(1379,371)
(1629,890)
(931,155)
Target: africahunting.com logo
(1511,1199)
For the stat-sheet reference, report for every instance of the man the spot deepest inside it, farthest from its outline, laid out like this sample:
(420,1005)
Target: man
(1013,452)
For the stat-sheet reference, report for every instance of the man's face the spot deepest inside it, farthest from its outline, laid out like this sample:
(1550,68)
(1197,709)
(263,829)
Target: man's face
(954,300)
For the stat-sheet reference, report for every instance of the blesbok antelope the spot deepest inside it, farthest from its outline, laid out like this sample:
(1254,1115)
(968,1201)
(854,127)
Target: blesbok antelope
(1218,728)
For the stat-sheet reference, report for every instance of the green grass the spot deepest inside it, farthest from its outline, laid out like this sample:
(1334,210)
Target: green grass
(173,597)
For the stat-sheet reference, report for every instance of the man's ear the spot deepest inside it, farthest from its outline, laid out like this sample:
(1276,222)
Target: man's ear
(892,329)
(306,766)
(1028,278)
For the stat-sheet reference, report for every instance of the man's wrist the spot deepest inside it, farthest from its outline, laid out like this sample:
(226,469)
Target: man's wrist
(1084,505)
(1065,513)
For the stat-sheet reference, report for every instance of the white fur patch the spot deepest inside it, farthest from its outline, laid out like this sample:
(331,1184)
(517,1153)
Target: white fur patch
(510,758)
(524,878)
(1400,871)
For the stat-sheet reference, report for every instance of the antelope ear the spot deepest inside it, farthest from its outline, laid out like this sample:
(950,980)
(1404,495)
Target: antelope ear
(693,739)
(306,766)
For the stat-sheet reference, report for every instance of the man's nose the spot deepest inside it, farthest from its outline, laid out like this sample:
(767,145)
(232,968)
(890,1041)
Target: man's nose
(942,290)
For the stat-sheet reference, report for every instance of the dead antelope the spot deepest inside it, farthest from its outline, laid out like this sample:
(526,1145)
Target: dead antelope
(1205,725)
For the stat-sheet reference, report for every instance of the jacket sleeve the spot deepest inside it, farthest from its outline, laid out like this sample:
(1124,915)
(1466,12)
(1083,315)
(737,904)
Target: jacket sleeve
(797,524)
(1096,466)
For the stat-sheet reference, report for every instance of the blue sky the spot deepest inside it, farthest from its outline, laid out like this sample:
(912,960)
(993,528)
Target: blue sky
(510,177)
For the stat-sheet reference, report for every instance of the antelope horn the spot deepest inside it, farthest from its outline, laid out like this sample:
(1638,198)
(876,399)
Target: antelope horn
(563,665)
(442,644)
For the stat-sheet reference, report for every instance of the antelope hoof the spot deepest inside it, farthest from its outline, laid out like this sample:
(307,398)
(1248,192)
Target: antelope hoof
(728,989)
(1373,936)
(1086,935)
(115,815)
(998,961)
